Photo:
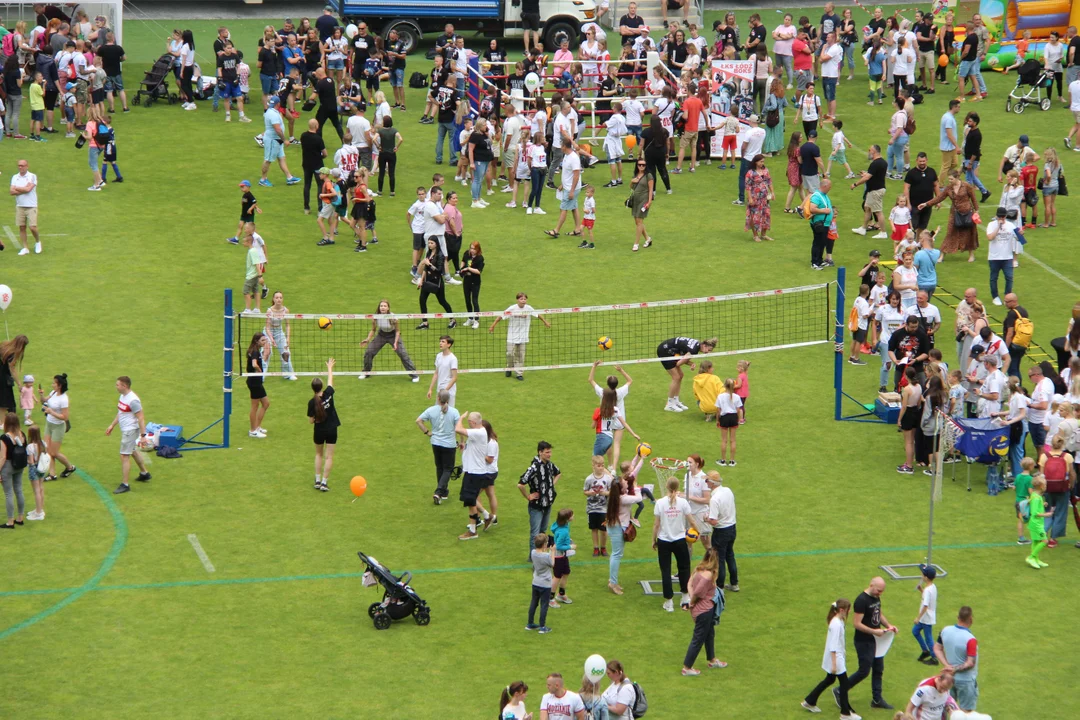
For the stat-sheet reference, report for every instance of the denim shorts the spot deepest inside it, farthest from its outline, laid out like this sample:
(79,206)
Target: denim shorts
(272,150)
(569,203)
(335,64)
(397,77)
(829,83)
(967,68)
(95,164)
(38,115)
(602,444)
(114,83)
(267,83)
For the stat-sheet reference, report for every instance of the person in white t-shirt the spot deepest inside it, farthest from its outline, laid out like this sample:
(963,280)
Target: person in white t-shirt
(518,319)
(863,311)
(672,514)
(931,697)
(619,695)
(559,703)
(568,193)
(834,662)
(728,414)
(474,471)
(1074,108)
(1002,235)
(132,422)
(415,214)
(446,370)
(621,392)
(512,702)
(24,188)
(923,630)
(992,389)
(696,490)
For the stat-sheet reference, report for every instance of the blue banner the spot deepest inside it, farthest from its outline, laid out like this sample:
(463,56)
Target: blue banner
(983,439)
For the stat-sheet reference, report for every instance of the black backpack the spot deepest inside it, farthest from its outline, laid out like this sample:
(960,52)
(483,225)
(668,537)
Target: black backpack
(417,80)
(16,453)
(641,703)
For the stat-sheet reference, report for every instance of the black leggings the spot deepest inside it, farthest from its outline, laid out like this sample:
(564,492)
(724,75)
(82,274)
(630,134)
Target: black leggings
(330,114)
(472,294)
(812,698)
(899,83)
(453,251)
(387,163)
(444,464)
(1057,78)
(658,166)
(186,91)
(681,551)
(439,294)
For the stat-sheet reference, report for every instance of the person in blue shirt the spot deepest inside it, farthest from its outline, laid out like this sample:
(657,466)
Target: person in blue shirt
(947,141)
(442,418)
(875,63)
(274,143)
(373,68)
(926,260)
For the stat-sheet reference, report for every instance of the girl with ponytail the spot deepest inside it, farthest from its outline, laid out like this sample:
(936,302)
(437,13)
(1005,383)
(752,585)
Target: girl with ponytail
(833,662)
(323,415)
(673,515)
(512,702)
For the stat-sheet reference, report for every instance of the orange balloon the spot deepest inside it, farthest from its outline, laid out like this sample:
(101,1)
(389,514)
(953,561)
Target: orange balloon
(943,60)
(358,485)
(631,142)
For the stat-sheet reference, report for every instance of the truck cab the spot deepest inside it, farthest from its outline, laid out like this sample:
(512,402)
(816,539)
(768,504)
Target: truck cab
(412,19)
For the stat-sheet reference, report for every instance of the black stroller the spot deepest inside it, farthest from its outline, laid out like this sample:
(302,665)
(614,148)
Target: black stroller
(155,85)
(399,601)
(1031,78)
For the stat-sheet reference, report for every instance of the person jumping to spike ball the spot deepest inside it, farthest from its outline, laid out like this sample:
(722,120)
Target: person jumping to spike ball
(674,353)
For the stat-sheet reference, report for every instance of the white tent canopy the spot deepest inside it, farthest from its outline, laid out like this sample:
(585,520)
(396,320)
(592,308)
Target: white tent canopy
(111,10)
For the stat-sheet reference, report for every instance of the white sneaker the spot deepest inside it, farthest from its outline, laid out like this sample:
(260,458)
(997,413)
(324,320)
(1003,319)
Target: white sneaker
(292,377)
(851,716)
(26,250)
(672,407)
(483,202)
(453,281)
(680,404)
(511,205)
(506,189)
(256,434)
(92,188)
(37,247)
(859,230)
(262,430)
(997,300)
(669,606)
(490,191)
(477,205)
(880,236)
(528,211)
(538,211)
(228,117)
(457,178)
(245,118)
(33,515)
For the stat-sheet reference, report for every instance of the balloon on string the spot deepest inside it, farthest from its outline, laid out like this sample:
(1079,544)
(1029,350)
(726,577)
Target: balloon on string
(350,31)
(358,485)
(5,297)
(532,82)
(595,667)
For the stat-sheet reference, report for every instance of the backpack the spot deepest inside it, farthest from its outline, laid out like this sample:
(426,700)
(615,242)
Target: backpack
(718,605)
(9,44)
(853,319)
(1023,329)
(417,80)
(909,126)
(101,134)
(641,703)
(43,462)
(16,450)
(804,209)
(1025,509)
(1056,473)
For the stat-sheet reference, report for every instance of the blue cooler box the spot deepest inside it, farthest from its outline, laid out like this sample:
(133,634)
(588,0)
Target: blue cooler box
(882,410)
(170,436)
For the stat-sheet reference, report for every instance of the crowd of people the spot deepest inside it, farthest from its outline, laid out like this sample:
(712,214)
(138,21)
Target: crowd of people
(507,139)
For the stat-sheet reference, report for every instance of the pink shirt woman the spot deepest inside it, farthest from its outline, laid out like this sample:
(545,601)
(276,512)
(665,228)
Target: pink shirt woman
(454,222)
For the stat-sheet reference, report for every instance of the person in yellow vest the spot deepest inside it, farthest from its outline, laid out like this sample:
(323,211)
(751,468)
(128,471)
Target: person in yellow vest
(706,387)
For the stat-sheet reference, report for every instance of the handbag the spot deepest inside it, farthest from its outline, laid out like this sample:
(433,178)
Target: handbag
(43,462)
(630,533)
(629,202)
(1063,190)
(962,220)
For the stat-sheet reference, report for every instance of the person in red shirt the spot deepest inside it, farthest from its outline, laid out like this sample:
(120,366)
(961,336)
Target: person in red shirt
(360,211)
(1028,174)
(802,60)
(692,109)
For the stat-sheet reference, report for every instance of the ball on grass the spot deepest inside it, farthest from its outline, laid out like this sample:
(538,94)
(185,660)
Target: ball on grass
(604,343)
(325,323)
(358,485)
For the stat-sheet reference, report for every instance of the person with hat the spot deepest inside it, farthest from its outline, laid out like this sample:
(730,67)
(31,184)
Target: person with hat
(1015,155)
(958,650)
(248,208)
(274,143)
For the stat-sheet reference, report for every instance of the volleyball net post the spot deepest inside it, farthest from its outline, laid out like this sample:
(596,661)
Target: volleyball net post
(226,390)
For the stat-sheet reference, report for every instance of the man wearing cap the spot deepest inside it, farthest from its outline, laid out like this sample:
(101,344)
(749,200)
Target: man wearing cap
(1013,155)
(751,147)
(313,152)
(920,186)
(274,143)
(947,142)
(810,163)
(958,650)
(874,198)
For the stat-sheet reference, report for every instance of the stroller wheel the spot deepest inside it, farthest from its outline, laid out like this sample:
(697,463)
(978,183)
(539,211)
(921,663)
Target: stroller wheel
(1018,108)
(1044,104)
(1008,106)
(374,608)
(137,101)
(382,621)
(422,616)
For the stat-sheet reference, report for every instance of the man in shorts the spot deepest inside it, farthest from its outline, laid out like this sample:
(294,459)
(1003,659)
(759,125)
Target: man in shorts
(810,165)
(112,57)
(571,188)
(132,422)
(874,200)
(530,22)
(395,54)
(474,469)
(228,86)
(24,188)
(511,135)
(274,143)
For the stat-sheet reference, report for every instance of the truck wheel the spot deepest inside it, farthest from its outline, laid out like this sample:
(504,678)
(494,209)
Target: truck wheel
(556,31)
(407,32)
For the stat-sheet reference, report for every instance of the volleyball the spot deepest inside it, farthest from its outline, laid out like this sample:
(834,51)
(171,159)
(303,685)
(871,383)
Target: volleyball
(692,536)
(595,668)
(358,485)
(325,323)
(604,343)
(992,61)
(644,449)
(631,141)
(943,60)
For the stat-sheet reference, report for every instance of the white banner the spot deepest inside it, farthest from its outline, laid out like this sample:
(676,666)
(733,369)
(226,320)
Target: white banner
(722,71)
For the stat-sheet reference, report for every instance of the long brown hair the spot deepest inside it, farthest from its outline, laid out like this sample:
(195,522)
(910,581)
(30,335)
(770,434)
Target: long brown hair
(254,346)
(793,145)
(509,692)
(836,607)
(490,430)
(777,87)
(393,321)
(13,349)
(317,388)
(607,403)
(11,425)
(709,564)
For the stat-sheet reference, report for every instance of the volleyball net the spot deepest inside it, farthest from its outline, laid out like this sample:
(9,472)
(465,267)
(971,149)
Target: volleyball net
(741,323)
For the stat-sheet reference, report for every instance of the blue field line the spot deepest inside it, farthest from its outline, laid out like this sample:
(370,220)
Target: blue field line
(435,571)
(120,536)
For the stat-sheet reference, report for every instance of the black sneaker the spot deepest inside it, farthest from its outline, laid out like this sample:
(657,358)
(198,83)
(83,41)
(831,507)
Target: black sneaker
(583,245)
(508,373)
(881,703)
(451,325)
(422,326)
(590,246)
(265,292)
(144,477)
(984,196)
(550,186)
(68,471)
(836,696)
(436,499)
(521,377)
(610,184)
(373,241)
(121,489)
(931,661)
(361,248)
(317,484)
(856,361)
(325,241)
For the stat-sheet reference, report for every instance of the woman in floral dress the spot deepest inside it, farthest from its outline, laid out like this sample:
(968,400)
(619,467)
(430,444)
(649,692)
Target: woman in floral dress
(758,195)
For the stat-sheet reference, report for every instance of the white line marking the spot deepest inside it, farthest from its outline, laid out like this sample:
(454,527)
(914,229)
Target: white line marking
(1052,271)
(54,235)
(11,236)
(194,540)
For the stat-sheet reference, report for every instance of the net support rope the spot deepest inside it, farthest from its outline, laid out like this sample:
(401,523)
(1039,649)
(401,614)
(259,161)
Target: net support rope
(741,323)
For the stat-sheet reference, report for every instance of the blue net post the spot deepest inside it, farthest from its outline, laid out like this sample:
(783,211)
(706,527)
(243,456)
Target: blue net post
(838,354)
(228,366)
(472,86)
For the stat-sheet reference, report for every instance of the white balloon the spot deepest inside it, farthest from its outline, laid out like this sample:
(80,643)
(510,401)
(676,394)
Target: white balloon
(595,667)
(5,297)
(350,31)
(532,82)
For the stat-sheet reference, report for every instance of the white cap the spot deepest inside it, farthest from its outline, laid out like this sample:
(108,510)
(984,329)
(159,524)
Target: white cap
(28,378)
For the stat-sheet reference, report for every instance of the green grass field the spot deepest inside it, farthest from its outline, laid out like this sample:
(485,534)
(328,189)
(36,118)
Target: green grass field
(106,611)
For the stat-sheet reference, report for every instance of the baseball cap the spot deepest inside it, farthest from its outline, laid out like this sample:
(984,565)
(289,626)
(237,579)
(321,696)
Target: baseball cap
(70,86)
(1024,140)
(336,172)
(28,378)
(324,171)
(753,118)
(245,183)
(274,101)
(928,571)
(1002,212)
(812,133)
(977,350)
(875,253)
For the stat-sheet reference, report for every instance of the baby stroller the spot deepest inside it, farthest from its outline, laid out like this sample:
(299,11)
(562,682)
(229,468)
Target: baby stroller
(399,601)
(155,85)
(1030,81)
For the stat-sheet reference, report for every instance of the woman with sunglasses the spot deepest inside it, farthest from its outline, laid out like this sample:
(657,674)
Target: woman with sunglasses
(642,186)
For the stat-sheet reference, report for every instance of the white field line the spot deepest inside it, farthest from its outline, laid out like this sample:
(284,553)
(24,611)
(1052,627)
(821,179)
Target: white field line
(1071,283)
(11,236)
(194,540)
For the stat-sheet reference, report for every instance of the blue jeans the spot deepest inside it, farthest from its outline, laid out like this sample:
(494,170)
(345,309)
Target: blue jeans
(994,483)
(615,535)
(886,364)
(970,166)
(744,167)
(977,72)
(1016,452)
(461,87)
(924,635)
(929,290)
(896,153)
(537,187)
(478,178)
(539,521)
(1005,266)
(1056,523)
(849,55)
(445,129)
(282,348)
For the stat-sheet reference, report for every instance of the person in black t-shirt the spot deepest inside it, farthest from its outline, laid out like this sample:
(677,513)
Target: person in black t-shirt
(228,85)
(676,352)
(438,78)
(920,186)
(313,151)
(327,94)
(530,22)
(909,341)
(363,48)
(973,153)
(969,54)
(870,624)
(631,24)
(1072,56)
(757,35)
(395,55)
(258,358)
(927,59)
(112,55)
(322,414)
(326,23)
(874,180)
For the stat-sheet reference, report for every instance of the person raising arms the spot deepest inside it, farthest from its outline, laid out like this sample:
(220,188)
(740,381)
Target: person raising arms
(612,383)
(322,414)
